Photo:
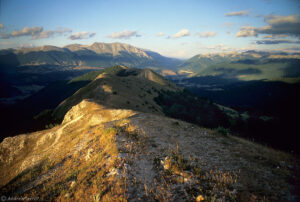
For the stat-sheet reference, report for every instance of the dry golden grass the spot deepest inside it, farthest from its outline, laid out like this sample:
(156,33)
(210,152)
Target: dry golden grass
(101,154)
(130,92)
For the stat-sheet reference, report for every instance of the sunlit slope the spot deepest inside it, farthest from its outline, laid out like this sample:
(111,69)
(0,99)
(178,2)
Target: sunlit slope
(104,154)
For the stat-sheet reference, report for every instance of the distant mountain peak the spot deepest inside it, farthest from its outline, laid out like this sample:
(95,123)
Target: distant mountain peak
(95,55)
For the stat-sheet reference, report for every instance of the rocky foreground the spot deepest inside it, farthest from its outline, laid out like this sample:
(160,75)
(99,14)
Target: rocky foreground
(107,154)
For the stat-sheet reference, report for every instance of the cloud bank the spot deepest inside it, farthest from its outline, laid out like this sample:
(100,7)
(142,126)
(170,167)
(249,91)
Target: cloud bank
(246,31)
(36,33)
(81,35)
(126,34)
(272,42)
(275,36)
(51,33)
(27,31)
(277,25)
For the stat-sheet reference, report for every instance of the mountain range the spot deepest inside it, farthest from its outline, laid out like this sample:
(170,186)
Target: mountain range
(245,66)
(95,55)
(25,71)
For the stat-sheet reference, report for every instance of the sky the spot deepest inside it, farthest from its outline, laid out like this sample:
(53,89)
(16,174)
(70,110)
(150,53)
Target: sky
(174,28)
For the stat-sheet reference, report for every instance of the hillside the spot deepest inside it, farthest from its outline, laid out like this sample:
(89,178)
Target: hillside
(101,153)
(121,87)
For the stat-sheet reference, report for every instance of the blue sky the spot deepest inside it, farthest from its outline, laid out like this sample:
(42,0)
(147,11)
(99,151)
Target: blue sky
(171,27)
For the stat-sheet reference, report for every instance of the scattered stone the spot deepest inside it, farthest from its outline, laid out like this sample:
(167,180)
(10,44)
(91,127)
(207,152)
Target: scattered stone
(89,154)
(73,183)
(200,198)
(166,163)
(113,171)
(126,166)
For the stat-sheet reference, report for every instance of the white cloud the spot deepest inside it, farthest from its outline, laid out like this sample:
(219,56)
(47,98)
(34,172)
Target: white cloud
(182,33)
(36,33)
(160,34)
(27,31)
(81,35)
(246,31)
(206,34)
(126,34)
(51,33)
(237,13)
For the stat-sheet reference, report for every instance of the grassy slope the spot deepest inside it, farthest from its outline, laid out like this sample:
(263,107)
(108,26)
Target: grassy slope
(107,154)
(121,88)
